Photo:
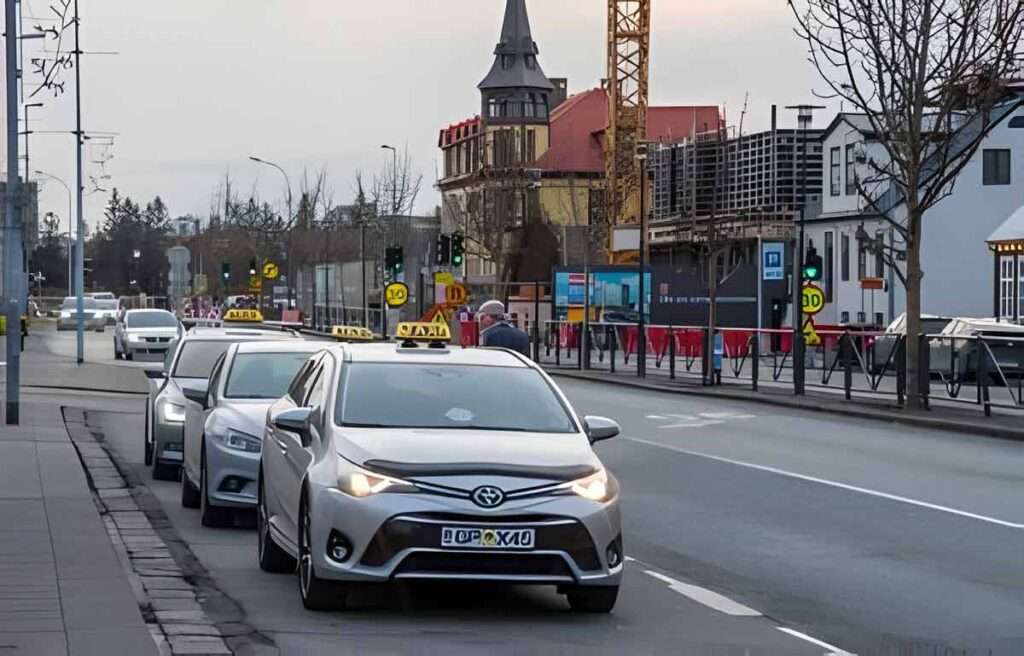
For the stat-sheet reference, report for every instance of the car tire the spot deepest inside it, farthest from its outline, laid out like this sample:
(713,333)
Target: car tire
(189,493)
(210,516)
(163,471)
(148,458)
(595,599)
(272,558)
(128,355)
(317,594)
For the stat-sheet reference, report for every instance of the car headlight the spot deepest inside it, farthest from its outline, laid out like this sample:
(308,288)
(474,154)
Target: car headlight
(239,441)
(134,338)
(361,483)
(65,315)
(172,413)
(596,487)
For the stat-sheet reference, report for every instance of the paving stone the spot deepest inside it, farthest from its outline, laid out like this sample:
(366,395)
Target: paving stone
(170,594)
(198,646)
(181,616)
(193,629)
(116,504)
(165,583)
(114,494)
(159,605)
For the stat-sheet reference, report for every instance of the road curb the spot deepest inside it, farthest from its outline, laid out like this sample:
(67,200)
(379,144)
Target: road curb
(814,405)
(167,599)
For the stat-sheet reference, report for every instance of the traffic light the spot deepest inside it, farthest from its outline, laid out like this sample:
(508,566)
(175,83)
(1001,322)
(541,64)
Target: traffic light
(458,249)
(225,271)
(444,250)
(394,260)
(814,265)
(252,267)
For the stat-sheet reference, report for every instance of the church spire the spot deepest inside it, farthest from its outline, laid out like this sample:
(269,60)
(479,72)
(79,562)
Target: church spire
(515,56)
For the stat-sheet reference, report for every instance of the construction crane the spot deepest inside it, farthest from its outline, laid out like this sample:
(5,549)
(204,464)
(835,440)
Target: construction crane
(629,47)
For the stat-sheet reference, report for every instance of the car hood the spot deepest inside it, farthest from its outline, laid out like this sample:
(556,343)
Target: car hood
(246,416)
(425,452)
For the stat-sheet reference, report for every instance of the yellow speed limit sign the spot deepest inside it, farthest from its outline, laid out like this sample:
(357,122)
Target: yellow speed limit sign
(456,295)
(813,300)
(396,294)
(270,271)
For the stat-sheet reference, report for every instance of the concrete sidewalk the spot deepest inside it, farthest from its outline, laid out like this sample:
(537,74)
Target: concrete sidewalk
(1003,426)
(63,589)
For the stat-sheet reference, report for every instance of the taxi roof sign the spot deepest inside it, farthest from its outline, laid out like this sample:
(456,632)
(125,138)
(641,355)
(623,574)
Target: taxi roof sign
(351,334)
(243,316)
(423,332)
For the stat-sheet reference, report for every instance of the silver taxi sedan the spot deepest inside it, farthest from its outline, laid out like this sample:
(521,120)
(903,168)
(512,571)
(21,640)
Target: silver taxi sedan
(224,425)
(389,461)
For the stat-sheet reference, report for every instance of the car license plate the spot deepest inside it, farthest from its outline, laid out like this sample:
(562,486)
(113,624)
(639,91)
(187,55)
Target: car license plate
(487,538)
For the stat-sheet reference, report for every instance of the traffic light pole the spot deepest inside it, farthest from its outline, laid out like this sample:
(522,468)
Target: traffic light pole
(12,238)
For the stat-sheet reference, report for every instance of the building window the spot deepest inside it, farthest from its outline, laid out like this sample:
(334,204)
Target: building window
(844,257)
(1020,287)
(531,62)
(996,166)
(880,254)
(1006,288)
(880,319)
(529,107)
(531,145)
(507,61)
(835,170)
(844,317)
(830,268)
(862,261)
(851,169)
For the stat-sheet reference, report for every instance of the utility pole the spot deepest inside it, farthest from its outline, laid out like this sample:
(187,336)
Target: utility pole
(805,116)
(80,221)
(362,262)
(641,345)
(13,238)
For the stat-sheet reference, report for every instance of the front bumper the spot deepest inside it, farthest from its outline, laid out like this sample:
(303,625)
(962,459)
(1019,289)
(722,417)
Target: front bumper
(168,439)
(232,475)
(398,536)
(147,348)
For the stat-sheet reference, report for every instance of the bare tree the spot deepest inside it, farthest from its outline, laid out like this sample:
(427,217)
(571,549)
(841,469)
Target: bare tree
(927,75)
(396,187)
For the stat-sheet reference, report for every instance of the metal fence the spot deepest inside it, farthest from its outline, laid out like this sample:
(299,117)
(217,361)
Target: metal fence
(984,371)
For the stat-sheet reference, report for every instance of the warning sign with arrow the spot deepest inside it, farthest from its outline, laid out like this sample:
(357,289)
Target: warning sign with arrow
(811,336)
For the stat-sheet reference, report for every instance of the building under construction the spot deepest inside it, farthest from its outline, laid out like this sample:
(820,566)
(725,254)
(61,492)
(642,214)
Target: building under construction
(745,187)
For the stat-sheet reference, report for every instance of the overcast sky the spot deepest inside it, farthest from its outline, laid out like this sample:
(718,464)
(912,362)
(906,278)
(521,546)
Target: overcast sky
(199,85)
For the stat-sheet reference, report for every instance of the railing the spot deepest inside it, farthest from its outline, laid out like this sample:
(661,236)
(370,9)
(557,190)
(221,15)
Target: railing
(985,371)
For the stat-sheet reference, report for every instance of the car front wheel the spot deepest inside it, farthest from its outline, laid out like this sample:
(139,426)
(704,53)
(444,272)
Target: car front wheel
(272,558)
(317,593)
(211,516)
(583,599)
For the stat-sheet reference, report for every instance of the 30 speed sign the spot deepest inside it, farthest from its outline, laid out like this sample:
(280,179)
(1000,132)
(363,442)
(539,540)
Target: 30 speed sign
(813,299)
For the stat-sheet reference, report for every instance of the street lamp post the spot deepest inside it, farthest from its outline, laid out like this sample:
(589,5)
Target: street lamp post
(805,116)
(71,286)
(394,212)
(27,132)
(641,348)
(288,255)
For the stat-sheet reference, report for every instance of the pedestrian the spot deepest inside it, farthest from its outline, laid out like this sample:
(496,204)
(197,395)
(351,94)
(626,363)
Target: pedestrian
(497,332)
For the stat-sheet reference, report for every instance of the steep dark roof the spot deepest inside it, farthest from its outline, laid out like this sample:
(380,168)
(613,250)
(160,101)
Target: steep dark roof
(516,43)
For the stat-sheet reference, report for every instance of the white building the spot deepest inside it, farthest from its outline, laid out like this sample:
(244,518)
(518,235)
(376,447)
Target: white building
(957,263)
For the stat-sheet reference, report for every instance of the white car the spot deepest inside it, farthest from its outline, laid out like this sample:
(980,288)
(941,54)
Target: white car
(224,425)
(145,332)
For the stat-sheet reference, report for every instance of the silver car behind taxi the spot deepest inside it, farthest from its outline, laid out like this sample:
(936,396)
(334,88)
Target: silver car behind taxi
(224,425)
(390,461)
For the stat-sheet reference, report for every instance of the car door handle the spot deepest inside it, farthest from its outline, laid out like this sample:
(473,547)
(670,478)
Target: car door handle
(281,444)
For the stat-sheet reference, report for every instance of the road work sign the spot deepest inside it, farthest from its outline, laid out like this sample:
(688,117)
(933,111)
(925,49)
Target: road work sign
(811,336)
(813,300)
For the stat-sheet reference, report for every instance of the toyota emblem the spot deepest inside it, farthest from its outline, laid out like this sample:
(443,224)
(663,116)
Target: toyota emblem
(488,496)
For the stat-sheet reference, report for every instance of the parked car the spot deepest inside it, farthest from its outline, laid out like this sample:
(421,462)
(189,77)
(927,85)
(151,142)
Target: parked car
(884,344)
(68,317)
(144,332)
(102,296)
(959,353)
(224,425)
(108,310)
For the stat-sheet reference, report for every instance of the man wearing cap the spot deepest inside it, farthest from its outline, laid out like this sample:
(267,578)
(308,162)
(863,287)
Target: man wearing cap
(497,332)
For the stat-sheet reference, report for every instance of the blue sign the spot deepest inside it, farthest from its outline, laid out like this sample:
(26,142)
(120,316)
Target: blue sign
(773,261)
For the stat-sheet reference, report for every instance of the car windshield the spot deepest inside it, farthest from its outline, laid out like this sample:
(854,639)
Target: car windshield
(262,375)
(401,395)
(106,304)
(198,357)
(156,319)
(72,303)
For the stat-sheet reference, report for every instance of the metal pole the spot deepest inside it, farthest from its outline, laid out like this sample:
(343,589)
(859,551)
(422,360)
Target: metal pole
(80,222)
(362,260)
(641,348)
(71,289)
(12,241)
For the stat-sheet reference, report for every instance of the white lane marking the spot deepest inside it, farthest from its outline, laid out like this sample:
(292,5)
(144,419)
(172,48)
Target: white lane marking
(656,417)
(726,415)
(692,424)
(841,486)
(705,597)
(833,650)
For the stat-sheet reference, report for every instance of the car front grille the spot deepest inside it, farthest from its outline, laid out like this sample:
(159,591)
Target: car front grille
(424,531)
(484,564)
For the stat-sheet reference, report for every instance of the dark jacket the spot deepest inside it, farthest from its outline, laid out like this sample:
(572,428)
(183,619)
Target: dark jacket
(504,335)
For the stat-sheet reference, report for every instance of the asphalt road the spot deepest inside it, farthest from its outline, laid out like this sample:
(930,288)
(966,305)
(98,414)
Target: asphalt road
(865,536)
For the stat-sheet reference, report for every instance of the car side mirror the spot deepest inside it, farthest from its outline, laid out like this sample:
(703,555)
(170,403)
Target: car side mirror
(600,428)
(295,421)
(198,397)
(155,374)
